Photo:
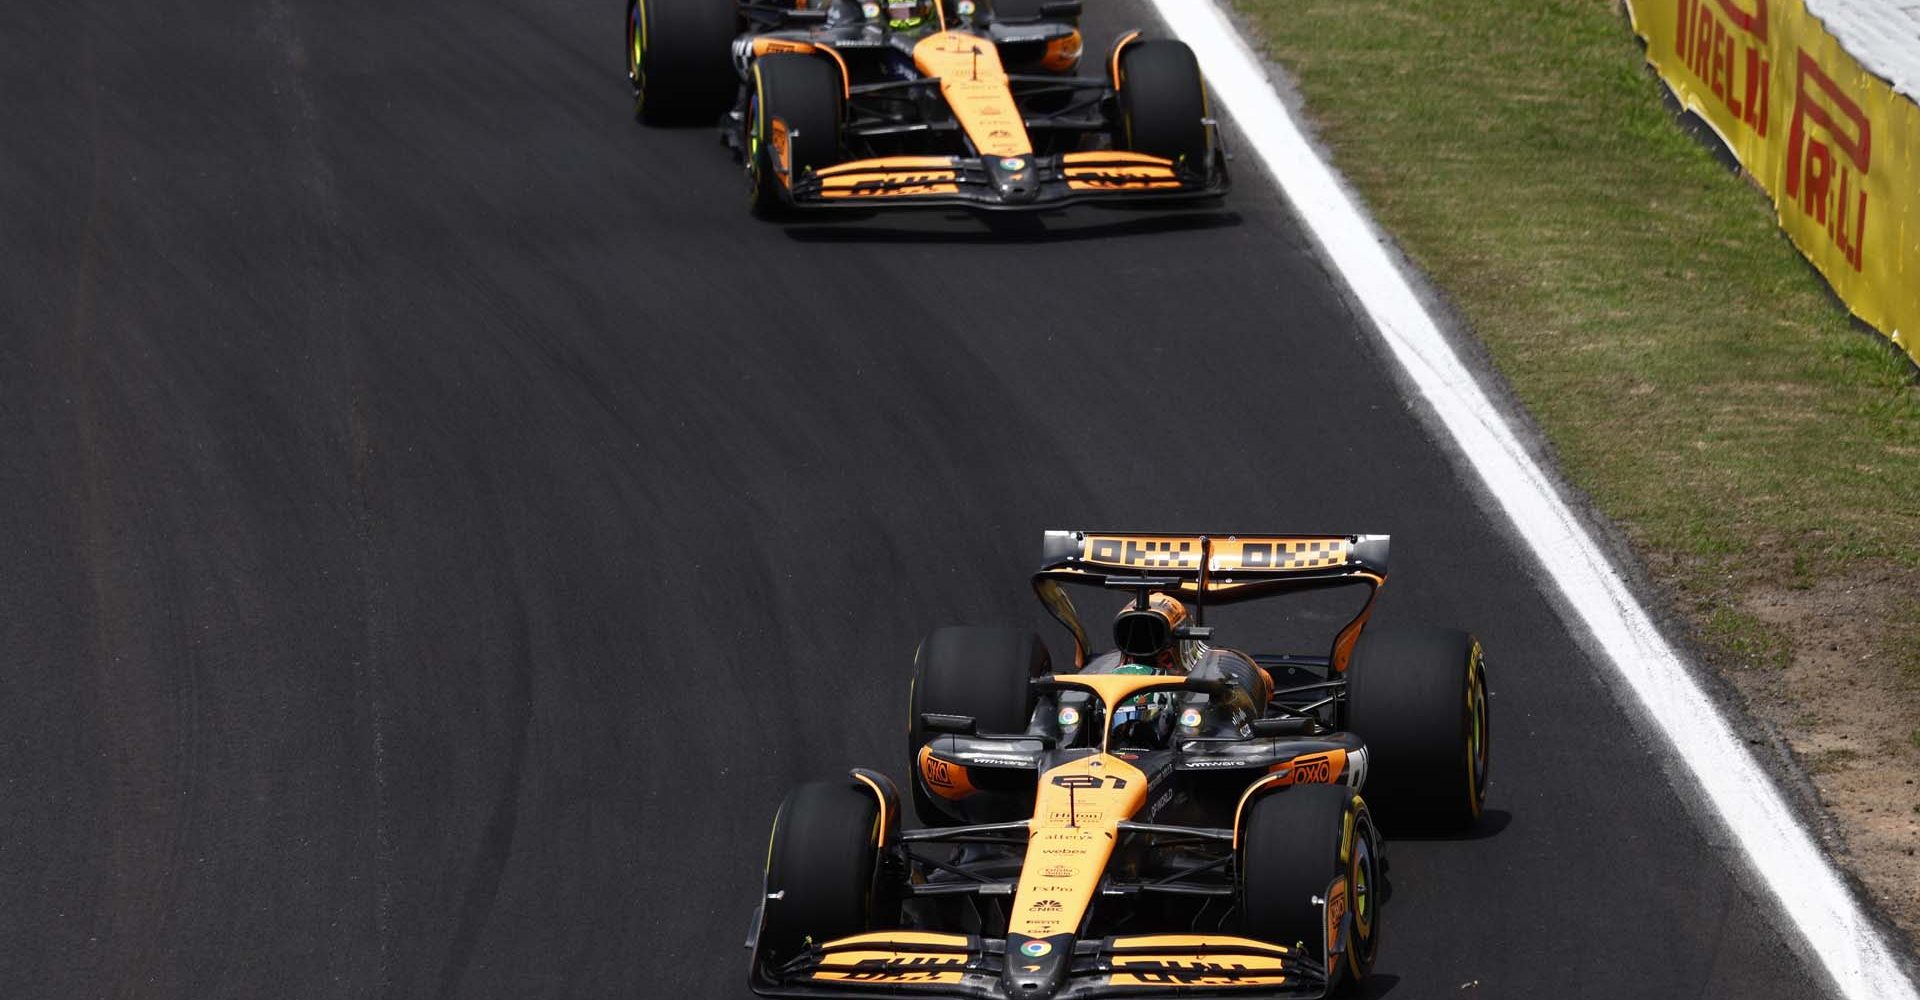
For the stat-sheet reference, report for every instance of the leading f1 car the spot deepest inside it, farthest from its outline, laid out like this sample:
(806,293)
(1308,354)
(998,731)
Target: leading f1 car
(972,103)
(1168,817)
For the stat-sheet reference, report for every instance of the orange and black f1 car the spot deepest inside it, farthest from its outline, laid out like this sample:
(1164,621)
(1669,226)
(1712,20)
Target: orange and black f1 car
(1170,817)
(972,103)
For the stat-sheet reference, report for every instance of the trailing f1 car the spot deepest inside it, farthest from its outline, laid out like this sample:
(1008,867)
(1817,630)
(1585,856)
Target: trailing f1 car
(974,103)
(1168,817)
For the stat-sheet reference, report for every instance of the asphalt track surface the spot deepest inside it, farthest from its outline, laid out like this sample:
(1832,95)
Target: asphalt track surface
(439,524)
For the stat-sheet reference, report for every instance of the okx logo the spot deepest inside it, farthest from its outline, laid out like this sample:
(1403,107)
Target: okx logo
(1828,149)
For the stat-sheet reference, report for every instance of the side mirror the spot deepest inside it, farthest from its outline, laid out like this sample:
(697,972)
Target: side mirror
(1267,728)
(1060,8)
(952,725)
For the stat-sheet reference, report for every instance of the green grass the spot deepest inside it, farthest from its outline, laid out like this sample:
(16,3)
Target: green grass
(1745,641)
(1831,761)
(1900,642)
(1694,374)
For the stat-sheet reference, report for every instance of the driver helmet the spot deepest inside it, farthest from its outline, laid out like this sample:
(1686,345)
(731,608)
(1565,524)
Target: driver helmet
(906,14)
(846,12)
(1146,635)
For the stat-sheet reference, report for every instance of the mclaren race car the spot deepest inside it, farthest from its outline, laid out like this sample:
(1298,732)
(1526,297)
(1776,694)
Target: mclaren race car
(1169,817)
(973,103)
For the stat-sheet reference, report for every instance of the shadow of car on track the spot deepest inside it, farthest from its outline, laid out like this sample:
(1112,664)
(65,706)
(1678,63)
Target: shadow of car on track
(1061,226)
(1492,822)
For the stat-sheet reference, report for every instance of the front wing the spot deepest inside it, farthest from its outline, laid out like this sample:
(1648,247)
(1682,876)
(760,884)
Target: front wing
(930,966)
(1025,182)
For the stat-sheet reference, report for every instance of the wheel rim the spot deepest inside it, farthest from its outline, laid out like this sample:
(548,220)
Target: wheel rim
(636,49)
(1363,879)
(1363,883)
(754,129)
(756,138)
(1478,749)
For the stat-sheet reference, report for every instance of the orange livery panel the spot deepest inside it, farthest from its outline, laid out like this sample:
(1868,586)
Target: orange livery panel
(944,777)
(1076,818)
(975,86)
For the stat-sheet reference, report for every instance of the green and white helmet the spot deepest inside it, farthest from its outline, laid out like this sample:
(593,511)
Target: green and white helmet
(902,14)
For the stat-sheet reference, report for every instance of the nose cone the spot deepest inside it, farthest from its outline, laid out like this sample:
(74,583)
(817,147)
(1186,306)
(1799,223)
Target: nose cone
(1015,178)
(1036,967)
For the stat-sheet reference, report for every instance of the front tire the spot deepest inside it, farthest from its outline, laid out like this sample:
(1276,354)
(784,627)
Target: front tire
(794,126)
(1418,697)
(680,60)
(1294,849)
(1163,103)
(820,867)
(980,671)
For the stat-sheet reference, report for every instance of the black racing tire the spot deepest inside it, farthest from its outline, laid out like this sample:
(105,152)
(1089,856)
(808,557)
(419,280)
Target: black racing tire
(680,60)
(1163,103)
(979,671)
(820,867)
(800,94)
(1418,697)
(1291,850)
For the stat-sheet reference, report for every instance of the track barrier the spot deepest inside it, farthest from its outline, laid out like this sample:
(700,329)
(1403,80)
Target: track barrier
(1836,146)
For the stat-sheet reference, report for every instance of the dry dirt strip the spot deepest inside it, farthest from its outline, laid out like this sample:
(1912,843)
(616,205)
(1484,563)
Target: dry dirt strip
(1778,845)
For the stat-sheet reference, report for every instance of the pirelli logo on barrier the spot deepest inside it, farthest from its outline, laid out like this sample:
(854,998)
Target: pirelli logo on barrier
(1804,117)
(1829,149)
(1228,554)
(1725,46)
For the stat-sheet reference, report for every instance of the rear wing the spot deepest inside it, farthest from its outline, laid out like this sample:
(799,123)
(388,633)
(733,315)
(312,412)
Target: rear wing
(1209,569)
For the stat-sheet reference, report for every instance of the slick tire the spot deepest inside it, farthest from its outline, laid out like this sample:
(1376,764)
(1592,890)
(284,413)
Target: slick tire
(1418,697)
(820,867)
(795,104)
(1162,103)
(979,671)
(680,60)
(1293,846)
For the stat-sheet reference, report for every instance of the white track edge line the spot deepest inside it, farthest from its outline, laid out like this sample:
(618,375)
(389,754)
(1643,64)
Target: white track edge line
(1782,852)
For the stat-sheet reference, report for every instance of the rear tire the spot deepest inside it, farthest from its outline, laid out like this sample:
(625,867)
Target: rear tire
(1290,853)
(1163,103)
(980,671)
(820,867)
(796,101)
(680,60)
(1418,697)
